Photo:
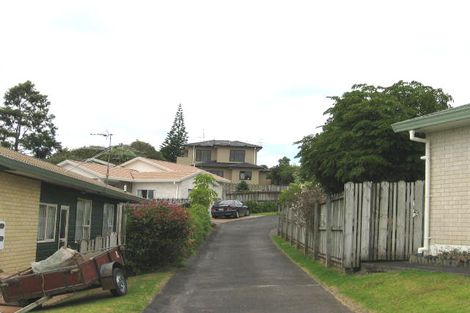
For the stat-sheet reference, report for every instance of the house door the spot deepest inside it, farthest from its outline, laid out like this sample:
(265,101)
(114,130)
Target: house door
(63,225)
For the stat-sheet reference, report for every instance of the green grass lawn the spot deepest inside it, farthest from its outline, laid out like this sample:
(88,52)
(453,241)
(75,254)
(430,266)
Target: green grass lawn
(142,289)
(404,291)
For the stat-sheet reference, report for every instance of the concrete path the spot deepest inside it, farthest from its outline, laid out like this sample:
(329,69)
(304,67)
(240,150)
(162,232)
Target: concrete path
(240,270)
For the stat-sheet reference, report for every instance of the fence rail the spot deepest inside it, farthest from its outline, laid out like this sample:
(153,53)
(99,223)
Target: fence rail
(368,222)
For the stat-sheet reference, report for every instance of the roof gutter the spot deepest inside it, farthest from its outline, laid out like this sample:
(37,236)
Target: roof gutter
(427,189)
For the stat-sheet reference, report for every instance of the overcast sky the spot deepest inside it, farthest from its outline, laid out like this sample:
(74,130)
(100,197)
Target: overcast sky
(254,71)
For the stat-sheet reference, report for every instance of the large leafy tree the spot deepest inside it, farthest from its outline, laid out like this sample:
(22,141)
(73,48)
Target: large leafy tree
(357,142)
(25,122)
(174,142)
(118,154)
(284,173)
(146,150)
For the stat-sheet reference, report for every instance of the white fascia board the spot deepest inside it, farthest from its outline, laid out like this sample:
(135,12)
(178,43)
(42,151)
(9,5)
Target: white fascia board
(78,166)
(146,161)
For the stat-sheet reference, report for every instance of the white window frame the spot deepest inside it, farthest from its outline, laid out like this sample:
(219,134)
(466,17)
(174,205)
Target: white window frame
(108,219)
(47,206)
(244,174)
(139,193)
(85,228)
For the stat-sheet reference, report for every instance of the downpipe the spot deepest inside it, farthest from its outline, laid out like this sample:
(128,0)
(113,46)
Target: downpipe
(427,189)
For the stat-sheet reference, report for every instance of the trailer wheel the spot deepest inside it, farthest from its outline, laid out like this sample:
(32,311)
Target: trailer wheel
(119,282)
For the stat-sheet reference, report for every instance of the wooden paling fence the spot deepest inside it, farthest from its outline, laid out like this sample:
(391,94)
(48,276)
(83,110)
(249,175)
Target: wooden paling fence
(253,196)
(368,222)
(256,192)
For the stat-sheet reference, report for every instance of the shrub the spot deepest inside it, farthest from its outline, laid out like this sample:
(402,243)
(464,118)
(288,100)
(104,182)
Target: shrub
(243,186)
(201,224)
(157,234)
(202,192)
(262,206)
(200,198)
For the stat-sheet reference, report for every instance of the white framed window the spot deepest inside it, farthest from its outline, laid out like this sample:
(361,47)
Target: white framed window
(146,193)
(245,175)
(47,222)
(108,219)
(83,219)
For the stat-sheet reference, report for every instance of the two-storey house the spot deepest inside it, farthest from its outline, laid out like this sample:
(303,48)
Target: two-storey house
(233,160)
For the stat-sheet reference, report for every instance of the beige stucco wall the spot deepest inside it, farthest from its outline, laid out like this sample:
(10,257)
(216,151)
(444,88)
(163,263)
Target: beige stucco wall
(219,154)
(19,208)
(450,187)
(223,155)
(184,160)
(263,179)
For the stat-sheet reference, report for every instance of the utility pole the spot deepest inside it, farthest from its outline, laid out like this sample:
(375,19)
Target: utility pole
(109,136)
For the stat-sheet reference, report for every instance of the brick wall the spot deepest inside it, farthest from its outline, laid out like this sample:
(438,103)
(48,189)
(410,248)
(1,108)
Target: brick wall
(19,206)
(450,187)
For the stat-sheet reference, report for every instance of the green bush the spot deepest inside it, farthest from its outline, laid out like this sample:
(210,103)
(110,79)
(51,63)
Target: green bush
(243,186)
(262,206)
(200,199)
(201,224)
(202,192)
(158,233)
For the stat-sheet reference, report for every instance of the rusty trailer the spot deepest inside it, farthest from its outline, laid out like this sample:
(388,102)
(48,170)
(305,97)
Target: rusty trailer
(102,269)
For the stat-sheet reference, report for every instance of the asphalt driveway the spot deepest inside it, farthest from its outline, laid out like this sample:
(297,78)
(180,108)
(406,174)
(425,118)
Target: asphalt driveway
(240,270)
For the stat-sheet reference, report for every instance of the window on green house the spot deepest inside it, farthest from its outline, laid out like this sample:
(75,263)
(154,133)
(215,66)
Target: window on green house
(108,219)
(47,222)
(83,220)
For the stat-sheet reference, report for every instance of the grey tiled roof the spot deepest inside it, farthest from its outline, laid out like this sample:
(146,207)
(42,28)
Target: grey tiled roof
(228,165)
(223,143)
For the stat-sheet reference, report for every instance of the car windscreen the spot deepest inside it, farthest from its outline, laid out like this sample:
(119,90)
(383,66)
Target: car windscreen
(226,202)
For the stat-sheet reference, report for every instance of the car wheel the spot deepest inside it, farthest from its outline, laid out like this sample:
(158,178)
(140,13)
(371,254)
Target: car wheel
(213,216)
(120,283)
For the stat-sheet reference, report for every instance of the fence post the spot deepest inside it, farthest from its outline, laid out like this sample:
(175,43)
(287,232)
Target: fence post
(348,228)
(328,230)
(366,243)
(307,227)
(316,230)
(292,222)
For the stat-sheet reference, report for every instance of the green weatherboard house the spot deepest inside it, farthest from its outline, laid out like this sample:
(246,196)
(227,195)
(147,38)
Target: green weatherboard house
(44,207)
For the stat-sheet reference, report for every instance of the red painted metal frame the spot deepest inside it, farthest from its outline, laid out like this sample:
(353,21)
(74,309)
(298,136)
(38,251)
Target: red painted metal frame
(26,285)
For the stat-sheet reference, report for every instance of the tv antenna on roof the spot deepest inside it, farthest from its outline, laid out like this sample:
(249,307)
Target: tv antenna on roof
(108,135)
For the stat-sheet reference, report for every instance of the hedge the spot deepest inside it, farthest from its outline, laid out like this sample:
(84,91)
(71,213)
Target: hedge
(262,206)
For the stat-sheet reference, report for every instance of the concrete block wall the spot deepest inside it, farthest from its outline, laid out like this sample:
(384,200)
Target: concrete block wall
(19,208)
(450,189)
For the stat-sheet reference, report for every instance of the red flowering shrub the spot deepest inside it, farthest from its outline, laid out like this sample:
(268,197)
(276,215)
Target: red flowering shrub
(157,234)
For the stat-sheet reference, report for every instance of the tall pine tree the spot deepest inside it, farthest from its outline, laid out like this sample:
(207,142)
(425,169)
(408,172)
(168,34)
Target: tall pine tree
(25,122)
(172,147)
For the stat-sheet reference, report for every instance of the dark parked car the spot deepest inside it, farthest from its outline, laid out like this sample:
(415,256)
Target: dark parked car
(233,208)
